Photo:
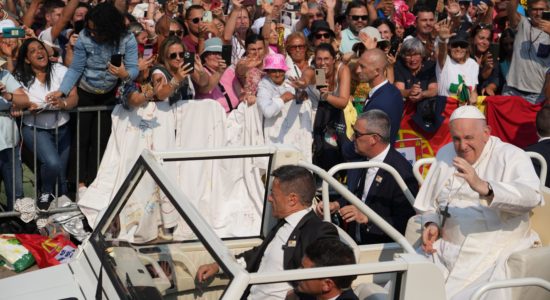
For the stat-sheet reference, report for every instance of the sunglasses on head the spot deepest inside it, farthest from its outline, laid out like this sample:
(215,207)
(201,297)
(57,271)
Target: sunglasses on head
(322,35)
(176,54)
(176,33)
(357,18)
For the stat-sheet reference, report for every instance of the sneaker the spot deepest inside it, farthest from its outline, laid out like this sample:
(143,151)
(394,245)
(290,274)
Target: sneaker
(43,202)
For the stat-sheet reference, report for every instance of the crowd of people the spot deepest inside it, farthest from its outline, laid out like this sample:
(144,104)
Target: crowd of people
(330,77)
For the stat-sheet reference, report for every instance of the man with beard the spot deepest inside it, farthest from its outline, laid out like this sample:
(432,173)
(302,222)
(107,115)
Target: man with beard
(358,18)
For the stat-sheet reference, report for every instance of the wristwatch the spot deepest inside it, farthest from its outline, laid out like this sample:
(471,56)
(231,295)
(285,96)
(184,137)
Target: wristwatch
(490,192)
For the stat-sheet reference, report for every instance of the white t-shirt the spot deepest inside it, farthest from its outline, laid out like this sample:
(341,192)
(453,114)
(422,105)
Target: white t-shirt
(37,92)
(448,77)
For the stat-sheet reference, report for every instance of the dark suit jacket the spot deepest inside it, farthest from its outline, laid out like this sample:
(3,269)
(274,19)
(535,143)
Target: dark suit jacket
(347,295)
(384,197)
(388,99)
(543,148)
(308,230)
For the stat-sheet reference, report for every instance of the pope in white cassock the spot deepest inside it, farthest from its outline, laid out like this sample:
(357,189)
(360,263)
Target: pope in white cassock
(475,206)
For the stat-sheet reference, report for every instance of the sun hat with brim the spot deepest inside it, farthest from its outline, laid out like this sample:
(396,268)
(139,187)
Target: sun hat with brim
(275,62)
(212,45)
(320,25)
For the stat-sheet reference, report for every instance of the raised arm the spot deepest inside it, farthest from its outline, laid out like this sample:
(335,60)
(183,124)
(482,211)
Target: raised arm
(444,33)
(66,15)
(513,15)
(231,24)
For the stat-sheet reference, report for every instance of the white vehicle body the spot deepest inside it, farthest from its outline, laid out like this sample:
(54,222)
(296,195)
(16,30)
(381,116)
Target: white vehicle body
(108,268)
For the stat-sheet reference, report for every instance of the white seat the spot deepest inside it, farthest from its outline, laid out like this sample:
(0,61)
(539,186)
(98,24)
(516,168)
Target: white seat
(370,291)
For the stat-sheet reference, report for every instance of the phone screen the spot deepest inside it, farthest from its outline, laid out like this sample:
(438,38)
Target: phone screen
(116,60)
(13,32)
(148,51)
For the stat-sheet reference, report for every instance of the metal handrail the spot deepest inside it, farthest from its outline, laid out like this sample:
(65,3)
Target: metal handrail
(77,110)
(373,216)
(528,281)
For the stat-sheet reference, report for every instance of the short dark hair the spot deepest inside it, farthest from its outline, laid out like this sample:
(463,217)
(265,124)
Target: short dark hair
(192,8)
(423,8)
(50,5)
(332,252)
(543,121)
(354,4)
(299,180)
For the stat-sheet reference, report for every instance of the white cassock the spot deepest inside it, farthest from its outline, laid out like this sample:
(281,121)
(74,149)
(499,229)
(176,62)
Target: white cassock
(478,238)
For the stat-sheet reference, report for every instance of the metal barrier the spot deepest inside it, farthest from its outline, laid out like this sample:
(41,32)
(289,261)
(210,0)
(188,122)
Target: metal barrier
(15,131)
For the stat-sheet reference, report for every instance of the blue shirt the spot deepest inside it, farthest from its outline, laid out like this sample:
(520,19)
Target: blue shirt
(90,62)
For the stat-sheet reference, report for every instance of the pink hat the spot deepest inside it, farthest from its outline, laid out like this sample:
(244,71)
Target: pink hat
(275,62)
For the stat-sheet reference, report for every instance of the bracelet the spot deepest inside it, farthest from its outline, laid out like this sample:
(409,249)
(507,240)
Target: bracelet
(439,40)
(174,83)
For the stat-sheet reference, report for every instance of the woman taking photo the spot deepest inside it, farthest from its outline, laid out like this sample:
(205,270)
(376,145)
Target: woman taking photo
(170,77)
(456,72)
(104,38)
(220,82)
(334,95)
(49,129)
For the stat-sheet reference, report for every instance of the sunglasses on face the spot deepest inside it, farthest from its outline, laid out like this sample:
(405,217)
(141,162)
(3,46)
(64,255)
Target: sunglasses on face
(176,54)
(360,134)
(363,18)
(296,47)
(195,20)
(176,33)
(322,35)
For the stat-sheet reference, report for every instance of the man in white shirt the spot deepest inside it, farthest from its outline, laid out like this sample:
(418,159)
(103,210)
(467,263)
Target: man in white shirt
(475,206)
(376,187)
(292,192)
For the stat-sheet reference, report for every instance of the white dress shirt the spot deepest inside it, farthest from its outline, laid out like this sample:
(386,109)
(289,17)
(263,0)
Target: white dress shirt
(371,172)
(273,260)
